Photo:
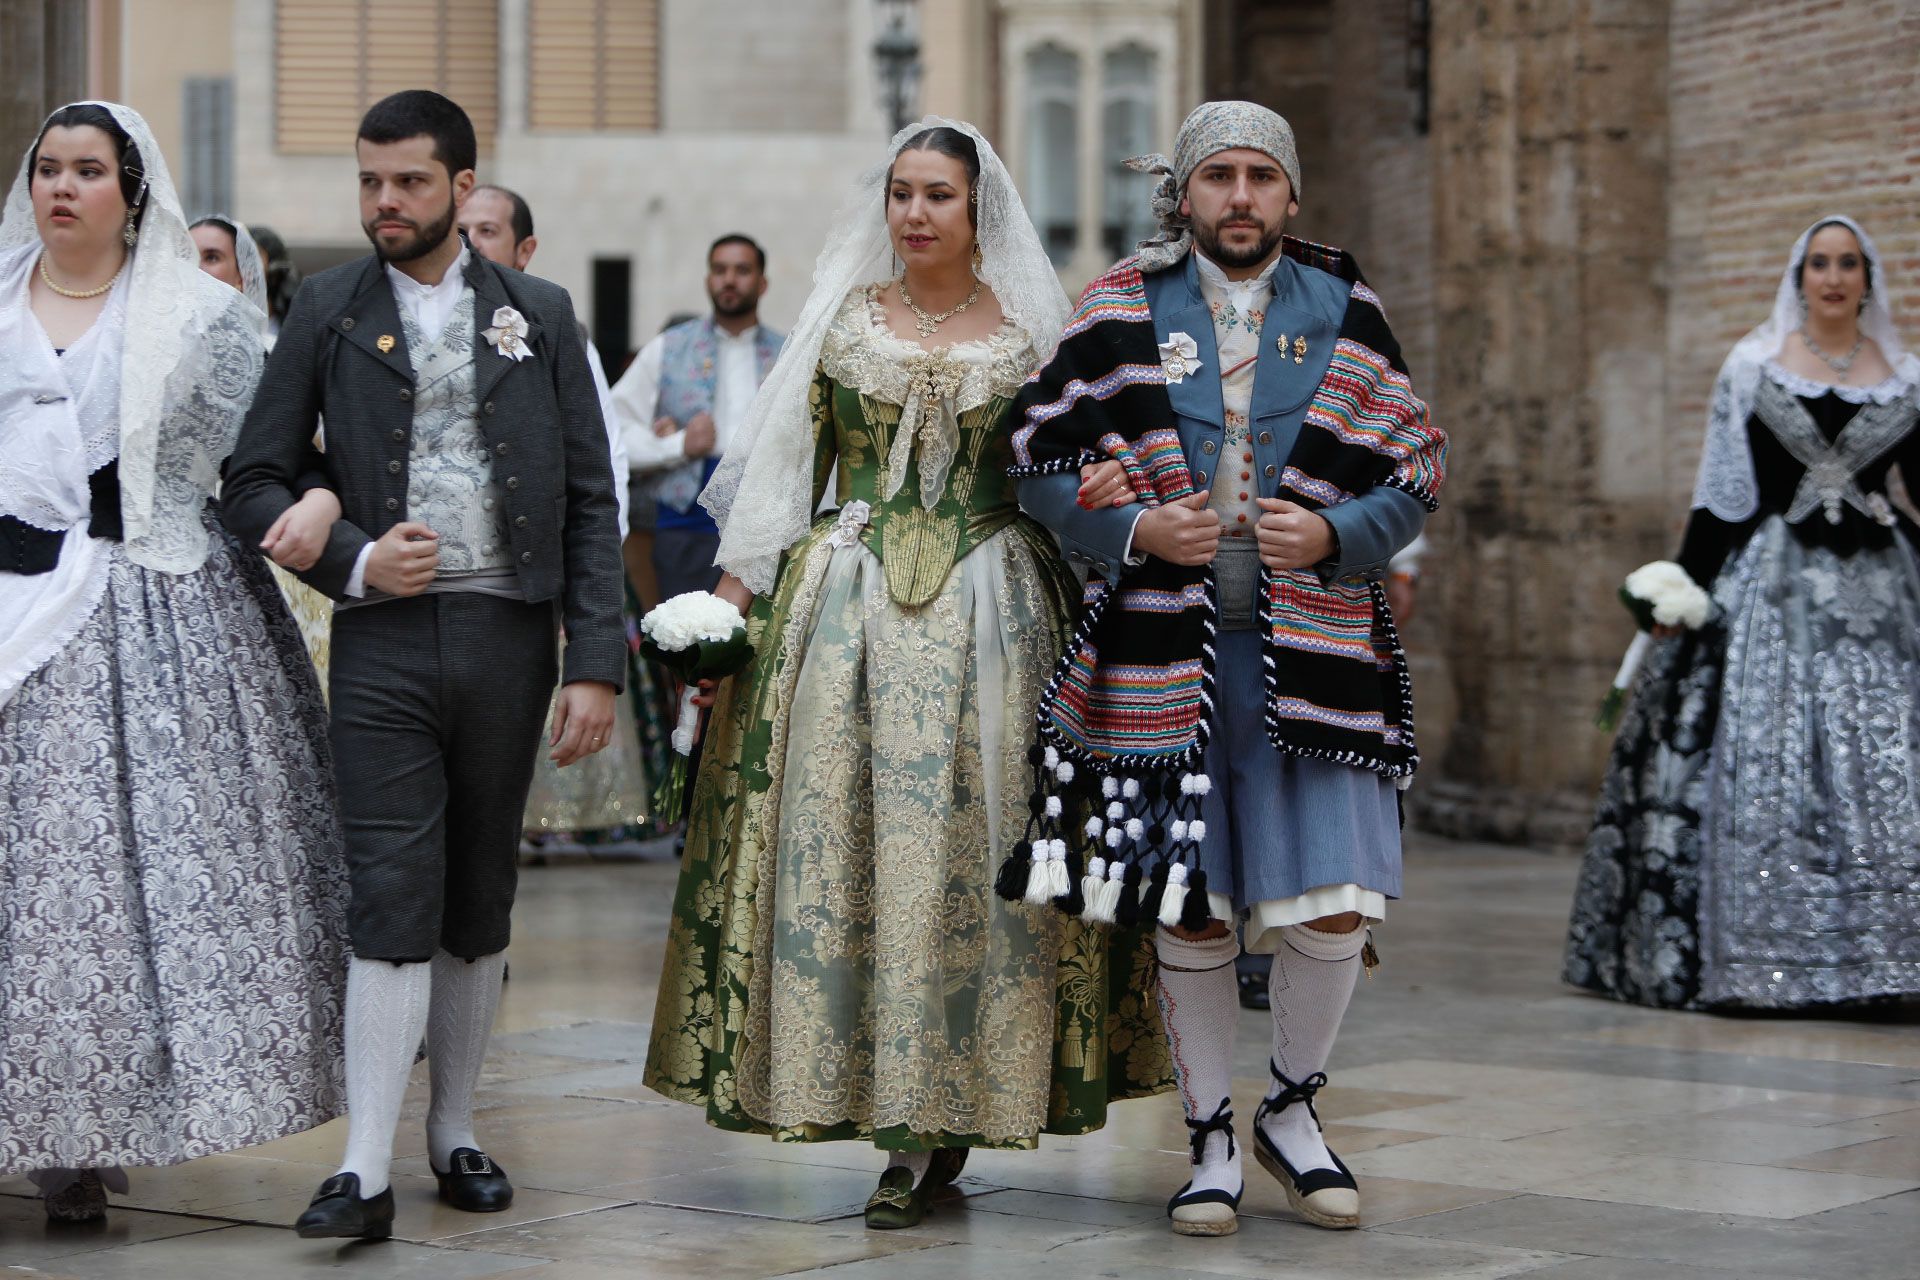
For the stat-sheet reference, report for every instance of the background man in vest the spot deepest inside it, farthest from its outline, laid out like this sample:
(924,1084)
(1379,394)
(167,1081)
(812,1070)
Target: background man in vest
(682,401)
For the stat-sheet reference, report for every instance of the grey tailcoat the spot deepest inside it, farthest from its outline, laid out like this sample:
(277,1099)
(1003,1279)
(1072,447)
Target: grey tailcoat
(342,354)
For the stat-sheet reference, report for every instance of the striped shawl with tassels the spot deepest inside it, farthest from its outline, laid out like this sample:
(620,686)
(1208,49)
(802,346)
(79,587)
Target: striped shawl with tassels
(1124,720)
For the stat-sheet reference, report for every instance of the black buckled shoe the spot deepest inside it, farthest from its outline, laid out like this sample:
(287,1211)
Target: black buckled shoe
(1208,1211)
(337,1211)
(1325,1197)
(475,1183)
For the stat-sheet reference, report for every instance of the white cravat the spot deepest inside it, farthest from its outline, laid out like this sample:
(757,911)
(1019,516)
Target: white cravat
(431,305)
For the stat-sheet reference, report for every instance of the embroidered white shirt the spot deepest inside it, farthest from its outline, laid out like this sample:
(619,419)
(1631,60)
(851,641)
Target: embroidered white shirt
(636,399)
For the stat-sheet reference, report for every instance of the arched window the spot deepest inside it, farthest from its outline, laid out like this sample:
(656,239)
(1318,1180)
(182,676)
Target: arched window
(1128,100)
(1053,147)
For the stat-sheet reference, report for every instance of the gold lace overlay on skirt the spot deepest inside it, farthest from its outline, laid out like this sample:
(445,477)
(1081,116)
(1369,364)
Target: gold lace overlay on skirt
(838,964)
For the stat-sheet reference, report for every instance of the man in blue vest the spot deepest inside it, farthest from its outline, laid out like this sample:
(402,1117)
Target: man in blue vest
(682,402)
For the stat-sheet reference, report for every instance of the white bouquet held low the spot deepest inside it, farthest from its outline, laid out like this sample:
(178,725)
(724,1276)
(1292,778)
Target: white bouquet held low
(697,636)
(1659,594)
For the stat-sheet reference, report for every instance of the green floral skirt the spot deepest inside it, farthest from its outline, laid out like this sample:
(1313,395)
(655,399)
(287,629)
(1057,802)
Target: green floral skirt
(838,965)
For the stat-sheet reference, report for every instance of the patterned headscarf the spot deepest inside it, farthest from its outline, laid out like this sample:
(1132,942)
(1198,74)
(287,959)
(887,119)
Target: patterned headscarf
(1212,127)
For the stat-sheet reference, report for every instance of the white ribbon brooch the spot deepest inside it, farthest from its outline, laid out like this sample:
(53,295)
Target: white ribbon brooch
(1179,356)
(853,518)
(509,334)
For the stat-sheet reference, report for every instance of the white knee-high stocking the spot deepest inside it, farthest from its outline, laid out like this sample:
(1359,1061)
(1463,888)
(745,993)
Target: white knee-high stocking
(386,1013)
(1199,1000)
(1311,983)
(466,995)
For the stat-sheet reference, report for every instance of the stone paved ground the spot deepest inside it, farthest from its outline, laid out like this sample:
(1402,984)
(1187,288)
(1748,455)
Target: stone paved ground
(1501,1125)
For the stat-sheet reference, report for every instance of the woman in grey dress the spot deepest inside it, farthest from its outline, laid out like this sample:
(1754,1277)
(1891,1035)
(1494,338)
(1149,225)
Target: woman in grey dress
(171,888)
(1757,840)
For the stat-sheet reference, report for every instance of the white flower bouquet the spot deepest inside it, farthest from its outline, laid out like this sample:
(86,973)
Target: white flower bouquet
(697,636)
(1659,594)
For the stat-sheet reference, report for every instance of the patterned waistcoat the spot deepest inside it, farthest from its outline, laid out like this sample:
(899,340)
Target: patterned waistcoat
(450,484)
(689,367)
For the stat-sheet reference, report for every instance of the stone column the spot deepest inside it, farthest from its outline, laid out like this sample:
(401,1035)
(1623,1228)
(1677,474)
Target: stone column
(43,63)
(1550,179)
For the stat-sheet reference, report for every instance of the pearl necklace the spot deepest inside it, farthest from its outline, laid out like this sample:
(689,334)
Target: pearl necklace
(79,293)
(1839,364)
(926,323)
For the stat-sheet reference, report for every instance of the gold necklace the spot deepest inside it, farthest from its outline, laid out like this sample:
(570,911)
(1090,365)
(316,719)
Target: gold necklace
(79,293)
(926,323)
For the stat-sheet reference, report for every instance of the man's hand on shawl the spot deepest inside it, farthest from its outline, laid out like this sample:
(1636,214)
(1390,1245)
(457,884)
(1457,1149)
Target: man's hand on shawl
(300,534)
(1292,537)
(404,559)
(1182,532)
(1104,484)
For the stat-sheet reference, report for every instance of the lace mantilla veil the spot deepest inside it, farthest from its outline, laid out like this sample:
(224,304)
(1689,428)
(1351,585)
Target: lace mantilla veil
(759,495)
(1726,485)
(190,355)
(246,256)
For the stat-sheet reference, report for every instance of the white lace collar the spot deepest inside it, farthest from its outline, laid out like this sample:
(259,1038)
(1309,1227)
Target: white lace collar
(863,354)
(1886,391)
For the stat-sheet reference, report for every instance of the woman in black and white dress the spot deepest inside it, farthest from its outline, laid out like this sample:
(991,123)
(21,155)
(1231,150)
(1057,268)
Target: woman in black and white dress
(1757,843)
(172,893)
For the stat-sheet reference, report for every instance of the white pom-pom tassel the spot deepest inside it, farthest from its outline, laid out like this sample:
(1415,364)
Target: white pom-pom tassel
(1130,788)
(1053,806)
(1186,784)
(1038,892)
(1116,812)
(1202,784)
(1175,897)
(1136,829)
(1110,895)
(1197,830)
(1092,885)
(1116,836)
(1064,771)
(1052,757)
(1109,786)
(1177,829)
(1095,827)
(1059,883)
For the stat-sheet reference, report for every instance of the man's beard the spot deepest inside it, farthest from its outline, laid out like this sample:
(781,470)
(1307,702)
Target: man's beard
(425,240)
(742,304)
(1208,238)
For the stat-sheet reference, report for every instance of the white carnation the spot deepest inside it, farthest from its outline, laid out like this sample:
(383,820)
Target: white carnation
(689,619)
(1676,599)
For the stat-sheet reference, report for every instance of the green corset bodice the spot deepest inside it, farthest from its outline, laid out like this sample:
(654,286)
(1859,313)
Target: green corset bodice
(869,383)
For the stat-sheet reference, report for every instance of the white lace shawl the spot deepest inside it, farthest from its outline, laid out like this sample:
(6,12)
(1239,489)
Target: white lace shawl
(759,494)
(1725,484)
(189,354)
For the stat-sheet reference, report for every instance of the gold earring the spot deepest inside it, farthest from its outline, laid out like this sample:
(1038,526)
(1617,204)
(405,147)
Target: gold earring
(978,257)
(132,233)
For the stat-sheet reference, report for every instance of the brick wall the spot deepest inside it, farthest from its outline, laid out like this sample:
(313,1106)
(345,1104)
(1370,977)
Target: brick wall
(1782,111)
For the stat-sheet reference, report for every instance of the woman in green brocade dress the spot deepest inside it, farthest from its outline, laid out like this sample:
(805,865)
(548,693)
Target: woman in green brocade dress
(838,966)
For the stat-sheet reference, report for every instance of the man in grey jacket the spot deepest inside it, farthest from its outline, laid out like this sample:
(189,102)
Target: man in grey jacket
(465,446)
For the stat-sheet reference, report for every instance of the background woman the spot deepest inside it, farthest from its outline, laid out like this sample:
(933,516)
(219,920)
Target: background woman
(1757,843)
(839,966)
(171,889)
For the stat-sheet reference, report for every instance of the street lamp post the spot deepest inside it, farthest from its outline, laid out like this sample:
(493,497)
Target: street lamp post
(896,55)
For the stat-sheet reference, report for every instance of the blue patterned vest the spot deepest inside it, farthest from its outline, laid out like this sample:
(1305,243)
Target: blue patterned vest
(689,365)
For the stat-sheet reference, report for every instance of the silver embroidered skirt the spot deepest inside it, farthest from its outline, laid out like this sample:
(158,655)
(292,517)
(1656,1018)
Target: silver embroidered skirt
(172,892)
